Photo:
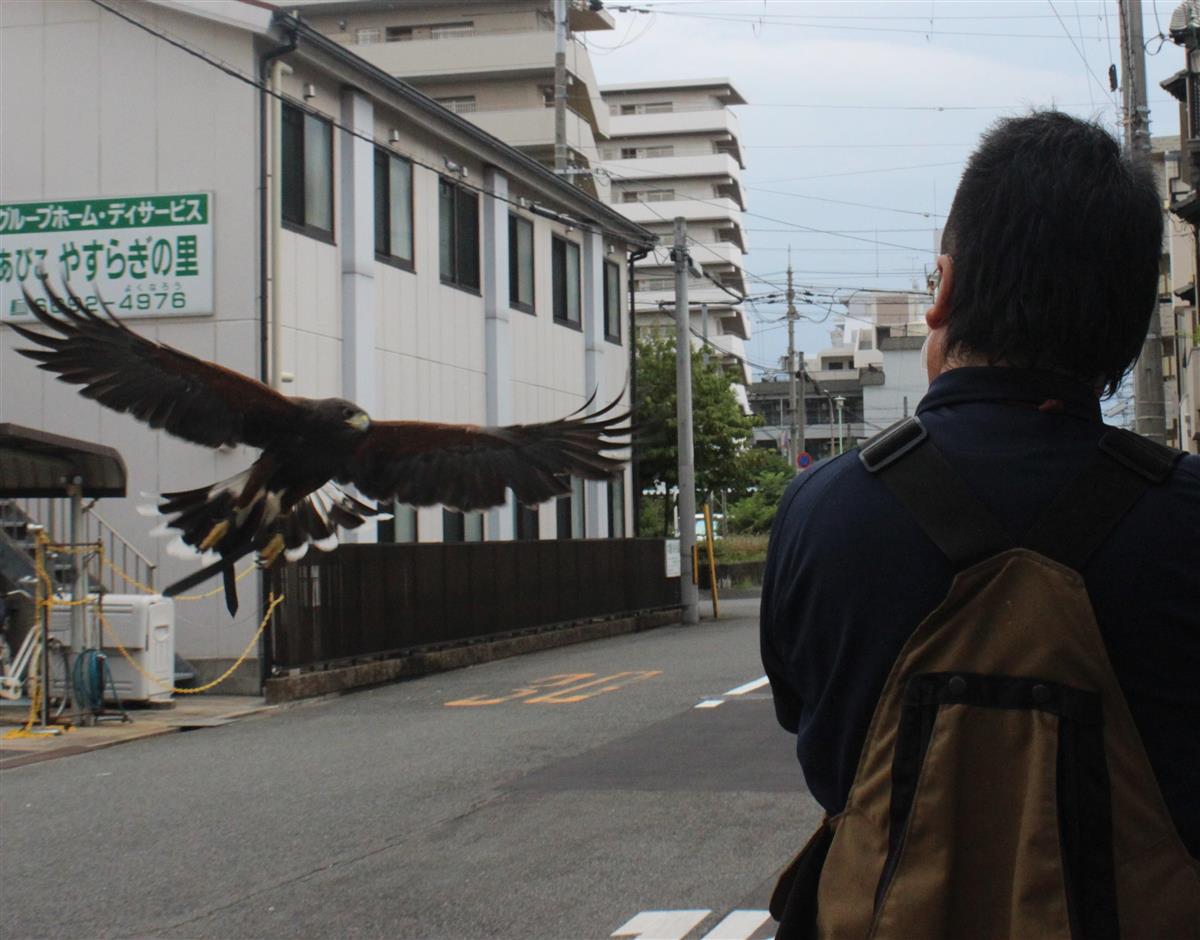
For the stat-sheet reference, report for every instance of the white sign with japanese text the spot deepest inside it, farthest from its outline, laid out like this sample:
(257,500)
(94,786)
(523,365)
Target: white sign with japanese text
(145,256)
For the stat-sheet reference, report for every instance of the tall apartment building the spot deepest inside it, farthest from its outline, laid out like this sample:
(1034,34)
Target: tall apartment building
(491,62)
(674,149)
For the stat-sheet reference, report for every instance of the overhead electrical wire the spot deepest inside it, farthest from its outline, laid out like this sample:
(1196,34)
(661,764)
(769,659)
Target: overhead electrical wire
(237,74)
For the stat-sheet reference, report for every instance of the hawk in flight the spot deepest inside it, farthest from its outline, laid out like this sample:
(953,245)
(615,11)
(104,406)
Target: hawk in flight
(295,493)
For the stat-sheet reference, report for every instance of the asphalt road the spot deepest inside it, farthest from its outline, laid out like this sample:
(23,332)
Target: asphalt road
(630,787)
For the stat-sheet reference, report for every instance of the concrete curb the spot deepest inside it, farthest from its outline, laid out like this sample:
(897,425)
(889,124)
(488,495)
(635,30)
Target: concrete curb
(310,684)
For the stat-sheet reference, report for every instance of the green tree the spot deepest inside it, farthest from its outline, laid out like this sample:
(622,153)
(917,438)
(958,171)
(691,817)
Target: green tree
(754,512)
(722,434)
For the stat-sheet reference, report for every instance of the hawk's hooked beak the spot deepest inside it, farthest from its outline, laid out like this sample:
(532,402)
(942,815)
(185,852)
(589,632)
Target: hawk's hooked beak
(360,421)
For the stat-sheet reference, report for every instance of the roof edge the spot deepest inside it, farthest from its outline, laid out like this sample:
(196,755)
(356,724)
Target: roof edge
(501,153)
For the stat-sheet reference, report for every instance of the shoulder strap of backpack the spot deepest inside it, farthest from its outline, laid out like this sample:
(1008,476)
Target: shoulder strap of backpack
(1069,531)
(918,475)
(1081,516)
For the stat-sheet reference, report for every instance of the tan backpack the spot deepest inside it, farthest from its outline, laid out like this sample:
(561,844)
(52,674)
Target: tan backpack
(1003,790)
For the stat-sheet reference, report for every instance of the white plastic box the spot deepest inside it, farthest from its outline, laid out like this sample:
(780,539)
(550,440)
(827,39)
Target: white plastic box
(145,625)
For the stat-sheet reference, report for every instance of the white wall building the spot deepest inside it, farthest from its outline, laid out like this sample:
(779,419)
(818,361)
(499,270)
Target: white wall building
(418,266)
(674,150)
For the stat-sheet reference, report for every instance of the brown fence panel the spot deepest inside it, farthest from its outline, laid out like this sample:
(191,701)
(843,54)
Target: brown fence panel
(365,601)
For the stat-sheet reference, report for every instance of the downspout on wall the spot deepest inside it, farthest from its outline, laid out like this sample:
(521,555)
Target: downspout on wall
(268,206)
(634,467)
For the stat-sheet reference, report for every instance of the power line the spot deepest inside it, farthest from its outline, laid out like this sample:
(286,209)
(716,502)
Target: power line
(237,74)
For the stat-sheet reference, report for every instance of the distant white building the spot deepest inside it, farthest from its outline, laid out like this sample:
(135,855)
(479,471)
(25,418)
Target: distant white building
(675,150)
(418,266)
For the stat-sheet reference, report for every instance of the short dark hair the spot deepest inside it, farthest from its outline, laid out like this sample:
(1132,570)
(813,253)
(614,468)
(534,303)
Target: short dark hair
(1055,238)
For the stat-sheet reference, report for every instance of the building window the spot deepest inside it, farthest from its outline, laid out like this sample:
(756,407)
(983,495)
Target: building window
(451,30)
(612,301)
(307,177)
(654,283)
(616,507)
(569,512)
(651,107)
(520,263)
(402,527)
(459,104)
(525,523)
(629,153)
(659,195)
(564,259)
(399,34)
(393,209)
(367,35)
(461,526)
(458,235)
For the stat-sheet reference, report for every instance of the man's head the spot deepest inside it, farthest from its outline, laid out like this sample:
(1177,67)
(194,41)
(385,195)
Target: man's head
(1050,253)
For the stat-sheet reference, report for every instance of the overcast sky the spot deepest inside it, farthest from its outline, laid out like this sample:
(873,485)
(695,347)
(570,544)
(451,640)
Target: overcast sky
(844,104)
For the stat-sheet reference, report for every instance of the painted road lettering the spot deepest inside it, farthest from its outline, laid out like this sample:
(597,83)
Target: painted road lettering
(675,925)
(560,689)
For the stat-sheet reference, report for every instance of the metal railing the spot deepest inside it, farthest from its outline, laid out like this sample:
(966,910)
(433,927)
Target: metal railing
(55,515)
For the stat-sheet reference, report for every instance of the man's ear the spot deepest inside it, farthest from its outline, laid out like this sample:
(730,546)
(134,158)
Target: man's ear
(938,315)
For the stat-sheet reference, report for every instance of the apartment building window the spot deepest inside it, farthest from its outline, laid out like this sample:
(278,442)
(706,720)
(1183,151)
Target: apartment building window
(402,527)
(651,107)
(525,523)
(461,526)
(547,93)
(616,507)
(648,195)
(366,35)
(612,302)
(399,34)
(564,261)
(393,209)
(666,150)
(458,235)
(569,512)
(307,177)
(629,153)
(520,263)
(459,104)
(654,283)
(451,30)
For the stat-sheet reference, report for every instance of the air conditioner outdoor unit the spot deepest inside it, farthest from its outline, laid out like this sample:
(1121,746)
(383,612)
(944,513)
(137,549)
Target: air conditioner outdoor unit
(145,625)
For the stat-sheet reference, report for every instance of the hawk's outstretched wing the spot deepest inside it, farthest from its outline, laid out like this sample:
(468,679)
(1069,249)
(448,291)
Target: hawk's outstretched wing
(468,467)
(196,400)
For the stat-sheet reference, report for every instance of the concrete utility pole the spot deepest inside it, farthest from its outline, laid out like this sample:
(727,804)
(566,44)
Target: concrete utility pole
(793,431)
(560,86)
(1150,418)
(689,594)
(802,415)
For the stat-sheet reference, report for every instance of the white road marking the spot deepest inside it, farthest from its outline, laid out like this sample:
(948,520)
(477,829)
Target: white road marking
(738,925)
(661,925)
(711,703)
(749,686)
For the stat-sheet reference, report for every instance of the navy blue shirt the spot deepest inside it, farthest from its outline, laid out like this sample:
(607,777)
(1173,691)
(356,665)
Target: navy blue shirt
(850,575)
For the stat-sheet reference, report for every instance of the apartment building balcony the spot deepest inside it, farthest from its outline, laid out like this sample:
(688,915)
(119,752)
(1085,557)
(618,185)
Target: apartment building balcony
(704,254)
(481,57)
(681,121)
(532,130)
(689,165)
(716,209)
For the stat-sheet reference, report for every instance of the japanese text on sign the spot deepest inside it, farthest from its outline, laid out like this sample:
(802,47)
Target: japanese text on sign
(143,255)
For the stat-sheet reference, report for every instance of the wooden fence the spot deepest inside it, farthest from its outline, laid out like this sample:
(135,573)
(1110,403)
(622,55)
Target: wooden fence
(372,601)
